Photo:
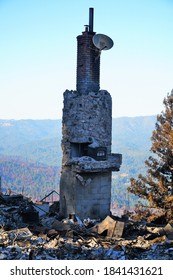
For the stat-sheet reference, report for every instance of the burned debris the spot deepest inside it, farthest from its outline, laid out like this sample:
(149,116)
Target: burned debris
(50,237)
(112,227)
(81,226)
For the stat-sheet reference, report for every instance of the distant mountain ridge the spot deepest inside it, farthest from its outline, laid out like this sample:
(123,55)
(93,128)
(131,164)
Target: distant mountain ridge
(23,137)
(38,142)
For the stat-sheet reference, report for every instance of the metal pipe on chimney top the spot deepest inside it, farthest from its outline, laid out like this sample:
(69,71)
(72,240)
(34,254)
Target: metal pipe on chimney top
(91,19)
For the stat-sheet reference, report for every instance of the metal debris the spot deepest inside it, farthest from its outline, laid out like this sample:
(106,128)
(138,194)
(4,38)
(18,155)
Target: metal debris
(52,238)
(114,228)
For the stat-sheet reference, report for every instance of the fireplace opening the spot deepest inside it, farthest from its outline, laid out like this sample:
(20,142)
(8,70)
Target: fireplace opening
(79,149)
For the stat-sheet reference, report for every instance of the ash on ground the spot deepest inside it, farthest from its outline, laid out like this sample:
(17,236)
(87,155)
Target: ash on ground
(25,234)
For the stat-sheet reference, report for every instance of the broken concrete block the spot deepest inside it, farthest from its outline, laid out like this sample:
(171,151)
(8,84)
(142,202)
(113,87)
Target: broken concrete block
(114,228)
(168,229)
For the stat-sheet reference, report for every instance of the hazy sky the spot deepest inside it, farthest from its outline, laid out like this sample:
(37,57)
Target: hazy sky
(38,54)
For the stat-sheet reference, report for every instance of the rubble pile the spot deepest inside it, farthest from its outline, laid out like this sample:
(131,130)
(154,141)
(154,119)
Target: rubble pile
(26,236)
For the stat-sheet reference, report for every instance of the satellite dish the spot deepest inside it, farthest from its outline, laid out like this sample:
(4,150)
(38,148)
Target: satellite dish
(102,42)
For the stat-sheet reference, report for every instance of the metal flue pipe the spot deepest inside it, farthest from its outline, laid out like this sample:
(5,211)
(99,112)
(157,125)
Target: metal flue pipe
(91,19)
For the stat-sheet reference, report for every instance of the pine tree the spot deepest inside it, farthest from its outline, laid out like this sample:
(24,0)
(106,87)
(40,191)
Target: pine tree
(157,185)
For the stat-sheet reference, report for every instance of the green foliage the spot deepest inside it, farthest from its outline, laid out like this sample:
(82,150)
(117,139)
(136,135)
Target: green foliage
(157,185)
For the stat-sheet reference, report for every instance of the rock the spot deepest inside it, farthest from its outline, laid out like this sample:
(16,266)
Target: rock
(168,229)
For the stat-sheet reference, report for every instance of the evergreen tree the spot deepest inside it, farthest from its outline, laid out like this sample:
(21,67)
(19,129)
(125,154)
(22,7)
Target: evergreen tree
(157,185)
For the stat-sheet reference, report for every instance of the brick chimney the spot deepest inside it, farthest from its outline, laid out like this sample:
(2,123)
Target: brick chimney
(87,163)
(88,60)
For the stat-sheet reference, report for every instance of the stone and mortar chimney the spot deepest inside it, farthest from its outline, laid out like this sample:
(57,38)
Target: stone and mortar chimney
(87,164)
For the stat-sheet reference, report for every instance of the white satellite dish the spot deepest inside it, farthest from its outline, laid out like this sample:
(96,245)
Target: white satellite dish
(102,42)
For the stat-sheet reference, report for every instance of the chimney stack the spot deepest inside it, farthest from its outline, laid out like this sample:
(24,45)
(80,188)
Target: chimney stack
(88,60)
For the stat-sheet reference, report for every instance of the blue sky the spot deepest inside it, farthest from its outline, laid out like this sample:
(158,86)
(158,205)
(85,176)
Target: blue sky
(38,54)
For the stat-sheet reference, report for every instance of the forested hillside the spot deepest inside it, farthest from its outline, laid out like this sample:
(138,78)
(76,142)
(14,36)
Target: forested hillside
(30,179)
(30,154)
